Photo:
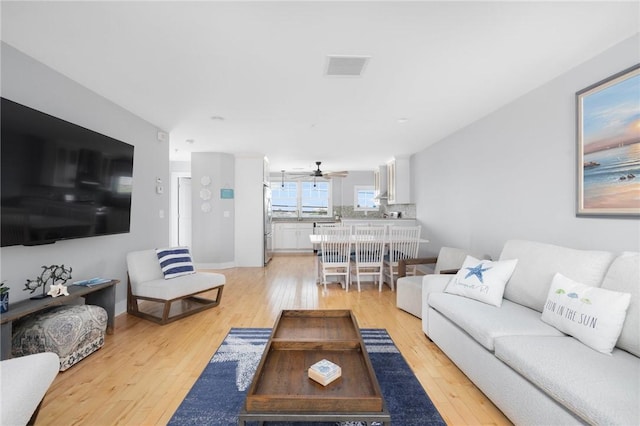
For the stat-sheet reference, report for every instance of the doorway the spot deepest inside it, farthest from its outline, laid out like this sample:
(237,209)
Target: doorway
(184,211)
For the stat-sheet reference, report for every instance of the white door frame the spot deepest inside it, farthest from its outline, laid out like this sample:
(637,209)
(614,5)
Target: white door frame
(174,205)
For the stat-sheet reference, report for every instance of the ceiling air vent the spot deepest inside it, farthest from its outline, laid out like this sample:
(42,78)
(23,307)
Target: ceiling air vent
(349,66)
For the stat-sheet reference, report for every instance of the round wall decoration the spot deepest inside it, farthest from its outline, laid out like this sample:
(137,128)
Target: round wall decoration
(205,194)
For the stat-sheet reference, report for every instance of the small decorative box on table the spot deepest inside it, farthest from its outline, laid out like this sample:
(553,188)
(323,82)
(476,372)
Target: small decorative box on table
(325,372)
(282,390)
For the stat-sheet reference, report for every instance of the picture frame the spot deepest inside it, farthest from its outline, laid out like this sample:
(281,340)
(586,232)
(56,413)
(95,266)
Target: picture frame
(226,193)
(608,152)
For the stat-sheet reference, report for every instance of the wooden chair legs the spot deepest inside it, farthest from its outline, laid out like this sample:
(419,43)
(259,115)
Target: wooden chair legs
(190,304)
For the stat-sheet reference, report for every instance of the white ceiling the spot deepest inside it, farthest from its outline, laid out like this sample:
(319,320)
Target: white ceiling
(259,65)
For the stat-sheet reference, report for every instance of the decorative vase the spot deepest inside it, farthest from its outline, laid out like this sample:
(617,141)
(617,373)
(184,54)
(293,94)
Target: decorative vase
(4,302)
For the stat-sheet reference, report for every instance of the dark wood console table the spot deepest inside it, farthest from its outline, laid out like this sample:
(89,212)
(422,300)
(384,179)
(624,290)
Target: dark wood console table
(103,295)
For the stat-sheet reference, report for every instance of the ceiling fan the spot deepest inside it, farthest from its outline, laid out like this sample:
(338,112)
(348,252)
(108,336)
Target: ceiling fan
(327,175)
(314,174)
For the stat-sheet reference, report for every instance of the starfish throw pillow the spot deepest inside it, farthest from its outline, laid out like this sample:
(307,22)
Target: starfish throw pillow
(482,280)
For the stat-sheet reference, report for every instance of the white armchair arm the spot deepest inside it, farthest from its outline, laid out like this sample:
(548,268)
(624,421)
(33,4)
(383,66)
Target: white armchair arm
(431,284)
(25,380)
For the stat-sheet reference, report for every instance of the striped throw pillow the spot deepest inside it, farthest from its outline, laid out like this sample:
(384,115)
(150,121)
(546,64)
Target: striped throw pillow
(175,262)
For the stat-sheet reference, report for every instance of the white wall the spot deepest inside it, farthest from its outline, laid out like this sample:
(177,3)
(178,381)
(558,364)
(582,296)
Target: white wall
(212,241)
(512,174)
(31,83)
(249,210)
(343,188)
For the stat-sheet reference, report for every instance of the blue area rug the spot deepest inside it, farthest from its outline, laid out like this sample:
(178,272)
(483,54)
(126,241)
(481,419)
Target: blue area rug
(219,393)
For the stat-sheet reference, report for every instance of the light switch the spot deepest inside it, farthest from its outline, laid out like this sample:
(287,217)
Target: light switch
(161,214)
(226,213)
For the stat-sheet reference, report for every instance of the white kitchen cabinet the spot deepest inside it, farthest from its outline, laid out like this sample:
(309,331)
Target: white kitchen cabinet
(399,181)
(292,236)
(286,236)
(266,171)
(380,181)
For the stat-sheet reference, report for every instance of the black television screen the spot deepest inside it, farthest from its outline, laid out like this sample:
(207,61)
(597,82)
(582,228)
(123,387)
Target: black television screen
(60,180)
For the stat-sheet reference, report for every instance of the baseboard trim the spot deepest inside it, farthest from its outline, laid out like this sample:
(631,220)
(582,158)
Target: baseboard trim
(223,265)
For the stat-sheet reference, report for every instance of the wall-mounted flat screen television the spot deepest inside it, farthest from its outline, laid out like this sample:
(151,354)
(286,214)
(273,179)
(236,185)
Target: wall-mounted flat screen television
(60,180)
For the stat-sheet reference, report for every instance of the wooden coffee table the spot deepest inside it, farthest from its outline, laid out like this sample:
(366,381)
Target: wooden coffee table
(281,389)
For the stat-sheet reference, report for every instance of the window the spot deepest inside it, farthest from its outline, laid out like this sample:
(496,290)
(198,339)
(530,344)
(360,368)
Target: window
(284,199)
(301,198)
(364,199)
(315,199)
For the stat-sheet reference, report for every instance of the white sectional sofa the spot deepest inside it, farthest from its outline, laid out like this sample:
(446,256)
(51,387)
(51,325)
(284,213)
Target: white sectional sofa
(409,288)
(24,381)
(534,373)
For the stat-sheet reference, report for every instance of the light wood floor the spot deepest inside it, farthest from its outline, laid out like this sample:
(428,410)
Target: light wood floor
(144,370)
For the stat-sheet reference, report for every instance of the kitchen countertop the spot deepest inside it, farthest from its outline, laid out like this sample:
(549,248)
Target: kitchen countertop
(373,219)
(292,220)
(329,220)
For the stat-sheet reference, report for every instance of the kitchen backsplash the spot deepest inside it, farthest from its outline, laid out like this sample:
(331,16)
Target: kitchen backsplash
(407,211)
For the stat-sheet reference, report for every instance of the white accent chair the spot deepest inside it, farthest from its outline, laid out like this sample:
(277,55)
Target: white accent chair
(24,381)
(368,259)
(147,283)
(335,256)
(409,289)
(403,244)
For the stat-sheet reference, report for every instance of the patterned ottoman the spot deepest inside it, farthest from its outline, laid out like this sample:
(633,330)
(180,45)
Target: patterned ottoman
(71,331)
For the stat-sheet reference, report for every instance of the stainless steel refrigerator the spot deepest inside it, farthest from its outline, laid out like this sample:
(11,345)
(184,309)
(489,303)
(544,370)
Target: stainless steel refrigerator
(268,237)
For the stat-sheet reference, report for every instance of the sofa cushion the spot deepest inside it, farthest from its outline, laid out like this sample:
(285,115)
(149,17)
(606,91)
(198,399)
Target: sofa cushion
(539,262)
(485,322)
(590,314)
(185,285)
(624,276)
(143,265)
(600,389)
(449,258)
(482,280)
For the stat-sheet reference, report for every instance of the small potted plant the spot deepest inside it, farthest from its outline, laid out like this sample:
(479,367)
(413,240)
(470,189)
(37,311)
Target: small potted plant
(4,298)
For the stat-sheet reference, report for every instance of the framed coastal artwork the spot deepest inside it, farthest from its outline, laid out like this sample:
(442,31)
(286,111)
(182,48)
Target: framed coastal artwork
(608,136)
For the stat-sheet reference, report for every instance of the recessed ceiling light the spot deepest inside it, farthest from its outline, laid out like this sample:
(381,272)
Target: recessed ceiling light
(189,141)
(402,120)
(217,118)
